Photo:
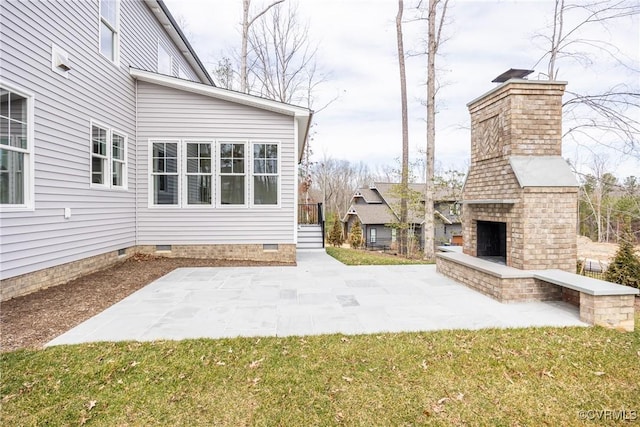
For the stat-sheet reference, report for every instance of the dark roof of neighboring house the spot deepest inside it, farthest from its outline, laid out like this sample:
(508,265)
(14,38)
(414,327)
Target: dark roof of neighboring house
(380,199)
(378,213)
(369,195)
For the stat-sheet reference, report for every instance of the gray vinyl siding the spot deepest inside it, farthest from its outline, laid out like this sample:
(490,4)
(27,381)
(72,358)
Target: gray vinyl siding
(102,220)
(165,113)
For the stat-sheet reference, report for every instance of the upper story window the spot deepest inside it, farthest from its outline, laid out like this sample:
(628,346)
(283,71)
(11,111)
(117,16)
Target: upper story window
(109,29)
(265,174)
(16,149)
(165,62)
(108,157)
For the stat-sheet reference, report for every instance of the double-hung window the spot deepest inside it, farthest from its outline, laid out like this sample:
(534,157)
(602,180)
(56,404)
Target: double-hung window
(198,173)
(265,174)
(118,160)
(108,157)
(16,149)
(109,35)
(164,173)
(232,173)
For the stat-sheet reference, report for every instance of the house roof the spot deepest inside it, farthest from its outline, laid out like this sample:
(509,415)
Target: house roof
(378,213)
(381,200)
(442,194)
(542,171)
(172,28)
(369,195)
(301,115)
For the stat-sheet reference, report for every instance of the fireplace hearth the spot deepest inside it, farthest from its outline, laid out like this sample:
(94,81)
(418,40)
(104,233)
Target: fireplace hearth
(492,241)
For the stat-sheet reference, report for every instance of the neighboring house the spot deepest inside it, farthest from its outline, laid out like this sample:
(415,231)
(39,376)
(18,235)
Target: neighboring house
(377,207)
(114,140)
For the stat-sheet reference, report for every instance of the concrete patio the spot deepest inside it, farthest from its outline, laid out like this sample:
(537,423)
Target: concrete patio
(319,295)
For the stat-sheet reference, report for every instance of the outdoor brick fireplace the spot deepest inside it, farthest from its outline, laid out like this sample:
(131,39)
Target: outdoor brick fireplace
(520,198)
(520,202)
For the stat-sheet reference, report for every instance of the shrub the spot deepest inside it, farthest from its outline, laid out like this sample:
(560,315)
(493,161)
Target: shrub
(625,267)
(355,237)
(335,237)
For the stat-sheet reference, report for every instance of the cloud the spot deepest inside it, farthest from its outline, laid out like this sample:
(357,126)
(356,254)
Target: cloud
(357,47)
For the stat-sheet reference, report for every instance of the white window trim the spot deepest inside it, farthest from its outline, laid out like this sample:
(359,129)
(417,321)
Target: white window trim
(182,150)
(116,34)
(279,173)
(29,164)
(125,163)
(150,173)
(247,165)
(161,47)
(108,185)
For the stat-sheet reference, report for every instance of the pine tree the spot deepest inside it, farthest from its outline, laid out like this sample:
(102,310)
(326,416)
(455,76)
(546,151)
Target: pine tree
(335,237)
(355,237)
(625,267)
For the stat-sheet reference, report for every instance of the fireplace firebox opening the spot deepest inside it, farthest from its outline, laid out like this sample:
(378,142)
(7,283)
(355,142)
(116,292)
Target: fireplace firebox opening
(492,241)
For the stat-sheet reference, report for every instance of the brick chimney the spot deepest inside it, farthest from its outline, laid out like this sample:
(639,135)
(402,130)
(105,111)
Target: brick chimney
(520,198)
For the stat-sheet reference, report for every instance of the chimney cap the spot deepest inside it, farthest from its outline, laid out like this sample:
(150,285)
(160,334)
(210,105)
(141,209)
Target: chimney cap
(512,73)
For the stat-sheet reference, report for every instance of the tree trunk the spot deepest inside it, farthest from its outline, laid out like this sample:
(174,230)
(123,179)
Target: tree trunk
(429,243)
(405,135)
(246,23)
(243,53)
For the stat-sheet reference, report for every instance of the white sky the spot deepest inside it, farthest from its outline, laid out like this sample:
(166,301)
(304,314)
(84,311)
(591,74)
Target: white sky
(357,48)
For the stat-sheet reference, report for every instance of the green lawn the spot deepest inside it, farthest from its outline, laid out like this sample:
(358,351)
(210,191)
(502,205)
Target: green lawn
(535,376)
(361,257)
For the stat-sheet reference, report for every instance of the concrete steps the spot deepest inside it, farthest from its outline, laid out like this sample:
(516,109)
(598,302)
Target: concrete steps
(310,236)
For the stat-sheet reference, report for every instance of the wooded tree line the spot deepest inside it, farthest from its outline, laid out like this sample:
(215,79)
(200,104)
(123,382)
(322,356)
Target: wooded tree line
(606,204)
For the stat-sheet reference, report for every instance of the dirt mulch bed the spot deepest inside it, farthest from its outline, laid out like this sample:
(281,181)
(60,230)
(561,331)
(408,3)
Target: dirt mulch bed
(33,320)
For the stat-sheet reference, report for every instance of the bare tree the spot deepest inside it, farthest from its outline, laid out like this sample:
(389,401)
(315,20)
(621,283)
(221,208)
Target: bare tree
(334,182)
(224,73)
(246,26)
(283,58)
(611,114)
(404,181)
(436,13)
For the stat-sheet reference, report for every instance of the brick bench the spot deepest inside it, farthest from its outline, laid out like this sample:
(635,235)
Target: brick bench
(601,303)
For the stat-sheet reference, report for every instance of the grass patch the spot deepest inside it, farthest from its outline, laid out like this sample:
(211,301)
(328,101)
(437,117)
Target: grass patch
(535,376)
(361,257)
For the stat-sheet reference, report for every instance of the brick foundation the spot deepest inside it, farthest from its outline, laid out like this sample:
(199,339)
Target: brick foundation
(247,252)
(27,283)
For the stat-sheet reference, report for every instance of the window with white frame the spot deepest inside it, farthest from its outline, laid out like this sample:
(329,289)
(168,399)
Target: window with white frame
(99,157)
(165,62)
(16,148)
(108,157)
(109,31)
(198,173)
(232,176)
(265,174)
(118,160)
(373,235)
(164,173)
